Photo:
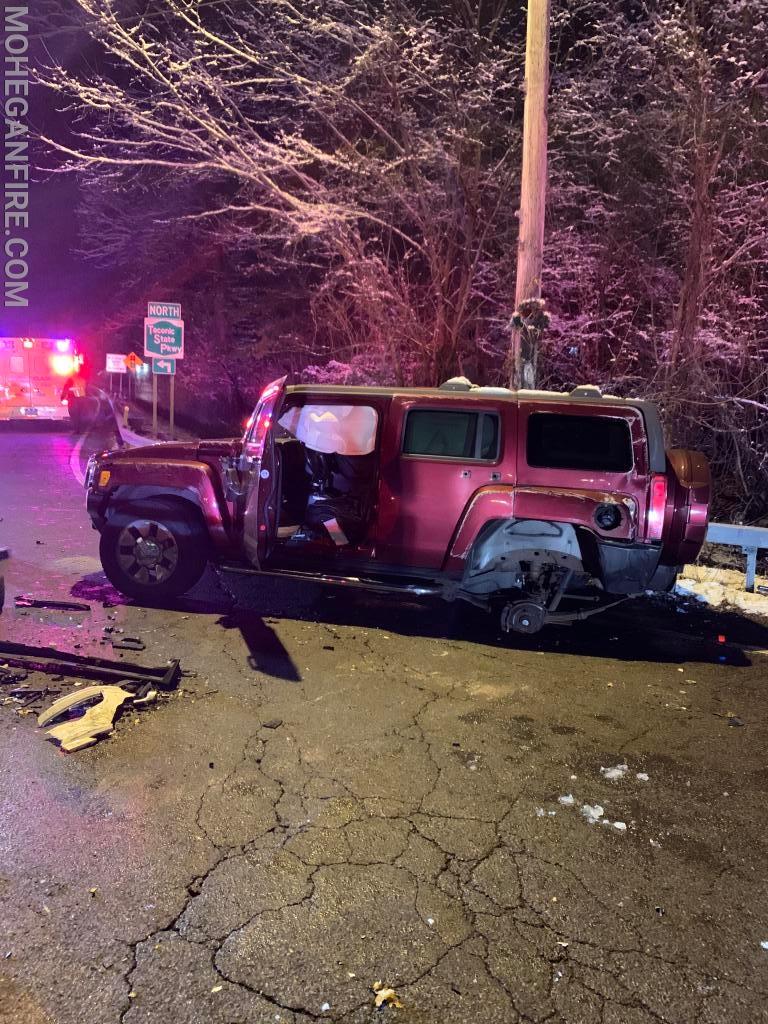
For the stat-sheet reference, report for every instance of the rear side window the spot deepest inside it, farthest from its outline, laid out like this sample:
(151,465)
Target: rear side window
(601,443)
(450,434)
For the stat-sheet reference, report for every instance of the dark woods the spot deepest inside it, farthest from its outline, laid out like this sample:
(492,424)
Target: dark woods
(331,188)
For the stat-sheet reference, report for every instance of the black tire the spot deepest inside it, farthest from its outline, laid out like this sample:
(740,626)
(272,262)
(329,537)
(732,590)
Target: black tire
(154,552)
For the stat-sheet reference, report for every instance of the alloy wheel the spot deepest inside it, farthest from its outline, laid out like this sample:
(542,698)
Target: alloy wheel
(147,552)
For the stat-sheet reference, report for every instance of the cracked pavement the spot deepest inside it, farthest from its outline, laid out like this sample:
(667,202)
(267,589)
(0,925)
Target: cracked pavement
(354,789)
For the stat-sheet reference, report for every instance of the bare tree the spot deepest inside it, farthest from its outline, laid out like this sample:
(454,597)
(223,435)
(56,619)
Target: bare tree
(373,141)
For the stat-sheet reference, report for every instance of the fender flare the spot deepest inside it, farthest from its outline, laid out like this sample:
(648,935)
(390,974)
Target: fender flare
(209,513)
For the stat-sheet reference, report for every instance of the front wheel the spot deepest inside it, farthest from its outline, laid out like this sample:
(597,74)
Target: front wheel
(152,556)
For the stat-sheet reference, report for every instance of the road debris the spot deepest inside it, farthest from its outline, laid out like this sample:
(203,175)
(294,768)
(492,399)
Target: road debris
(129,643)
(642,776)
(26,695)
(764,945)
(614,774)
(385,996)
(541,813)
(97,721)
(273,723)
(57,663)
(9,677)
(27,601)
(567,801)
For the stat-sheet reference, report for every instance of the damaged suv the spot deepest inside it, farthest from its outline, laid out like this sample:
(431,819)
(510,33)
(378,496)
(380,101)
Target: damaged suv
(537,506)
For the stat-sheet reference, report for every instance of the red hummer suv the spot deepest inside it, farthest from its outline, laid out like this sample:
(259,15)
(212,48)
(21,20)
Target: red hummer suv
(538,506)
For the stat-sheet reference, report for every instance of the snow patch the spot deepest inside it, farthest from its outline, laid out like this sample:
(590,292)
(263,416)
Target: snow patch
(592,812)
(721,588)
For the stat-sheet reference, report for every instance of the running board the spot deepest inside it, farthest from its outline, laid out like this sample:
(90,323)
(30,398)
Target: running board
(354,582)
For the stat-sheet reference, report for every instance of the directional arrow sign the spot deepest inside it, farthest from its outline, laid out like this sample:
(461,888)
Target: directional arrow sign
(164,367)
(163,336)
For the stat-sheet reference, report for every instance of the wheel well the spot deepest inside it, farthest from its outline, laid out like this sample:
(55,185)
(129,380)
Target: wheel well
(494,562)
(180,512)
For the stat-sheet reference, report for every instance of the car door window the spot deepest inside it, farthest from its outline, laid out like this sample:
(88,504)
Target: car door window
(452,434)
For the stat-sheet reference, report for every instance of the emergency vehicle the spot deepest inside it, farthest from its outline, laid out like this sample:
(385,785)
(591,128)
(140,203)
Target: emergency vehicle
(33,373)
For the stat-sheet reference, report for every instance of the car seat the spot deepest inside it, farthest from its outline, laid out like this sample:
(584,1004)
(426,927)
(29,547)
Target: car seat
(341,495)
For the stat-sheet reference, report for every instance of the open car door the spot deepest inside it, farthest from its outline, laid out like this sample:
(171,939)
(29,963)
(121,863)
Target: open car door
(259,476)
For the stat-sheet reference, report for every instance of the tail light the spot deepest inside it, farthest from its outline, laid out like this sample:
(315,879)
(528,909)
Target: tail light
(657,506)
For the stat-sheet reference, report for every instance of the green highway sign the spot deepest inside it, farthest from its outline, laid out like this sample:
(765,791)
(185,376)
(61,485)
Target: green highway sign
(164,367)
(164,336)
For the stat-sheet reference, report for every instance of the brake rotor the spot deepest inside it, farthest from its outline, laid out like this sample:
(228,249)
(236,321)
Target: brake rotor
(523,617)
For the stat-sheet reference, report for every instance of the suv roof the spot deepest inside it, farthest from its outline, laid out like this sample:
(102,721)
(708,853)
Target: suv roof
(584,394)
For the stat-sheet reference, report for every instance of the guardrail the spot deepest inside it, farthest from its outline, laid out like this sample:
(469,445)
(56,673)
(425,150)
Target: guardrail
(126,435)
(750,539)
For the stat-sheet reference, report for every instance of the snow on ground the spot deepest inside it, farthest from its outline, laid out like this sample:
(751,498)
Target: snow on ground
(722,587)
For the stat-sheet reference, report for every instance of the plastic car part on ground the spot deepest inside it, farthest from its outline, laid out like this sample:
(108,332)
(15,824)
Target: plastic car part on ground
(27,601)
(48,659)
(97,721)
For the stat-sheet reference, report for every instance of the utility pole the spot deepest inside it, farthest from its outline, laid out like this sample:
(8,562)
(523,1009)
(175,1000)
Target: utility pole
(530,319)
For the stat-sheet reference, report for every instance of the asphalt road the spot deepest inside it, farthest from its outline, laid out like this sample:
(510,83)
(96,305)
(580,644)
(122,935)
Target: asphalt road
(357,790)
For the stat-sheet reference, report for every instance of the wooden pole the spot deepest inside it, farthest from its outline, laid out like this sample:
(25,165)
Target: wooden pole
(533,193)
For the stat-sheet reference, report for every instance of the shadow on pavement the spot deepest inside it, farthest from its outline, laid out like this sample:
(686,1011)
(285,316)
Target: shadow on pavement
(647,629)
(266,651)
